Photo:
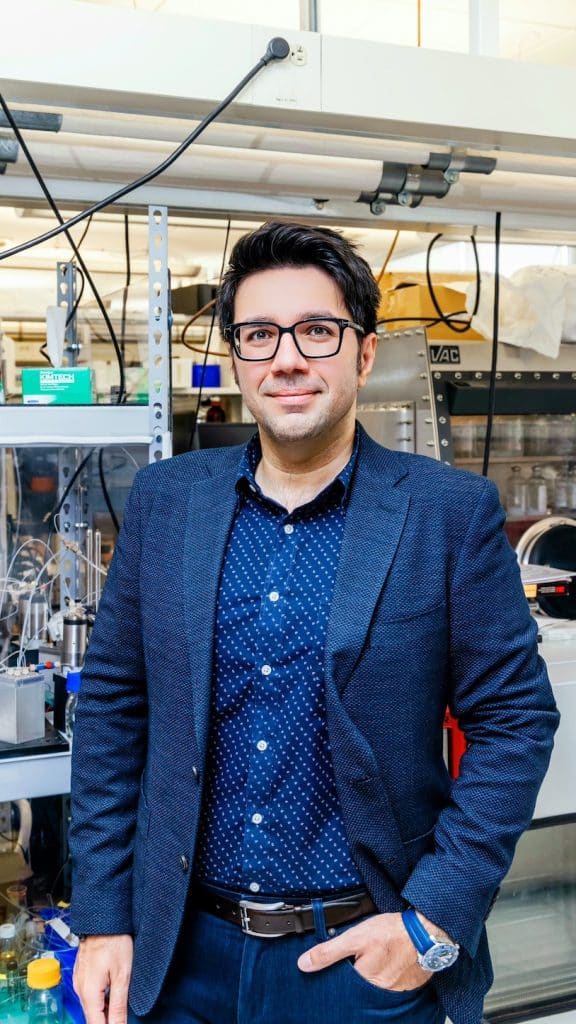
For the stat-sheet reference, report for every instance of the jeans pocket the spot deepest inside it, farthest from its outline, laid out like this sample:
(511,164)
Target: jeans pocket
(389,995)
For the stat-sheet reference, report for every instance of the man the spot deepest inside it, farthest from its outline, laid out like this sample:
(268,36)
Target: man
(263,828)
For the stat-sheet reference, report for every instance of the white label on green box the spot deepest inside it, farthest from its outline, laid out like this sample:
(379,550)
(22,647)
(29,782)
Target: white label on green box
(71,385)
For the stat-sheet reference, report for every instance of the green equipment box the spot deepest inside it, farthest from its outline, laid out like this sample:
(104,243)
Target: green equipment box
(67,385)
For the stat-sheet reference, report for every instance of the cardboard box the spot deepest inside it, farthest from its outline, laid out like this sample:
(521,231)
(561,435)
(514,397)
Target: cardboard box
(412,299)
(67,385)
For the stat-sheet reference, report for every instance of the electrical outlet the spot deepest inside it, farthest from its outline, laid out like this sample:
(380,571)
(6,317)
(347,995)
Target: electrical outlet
(299,56)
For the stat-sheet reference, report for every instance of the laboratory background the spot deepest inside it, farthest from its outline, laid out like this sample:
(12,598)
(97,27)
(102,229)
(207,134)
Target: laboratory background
(440,137)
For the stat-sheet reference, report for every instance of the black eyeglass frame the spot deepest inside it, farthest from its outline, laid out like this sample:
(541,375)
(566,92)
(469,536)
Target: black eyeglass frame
(230,330)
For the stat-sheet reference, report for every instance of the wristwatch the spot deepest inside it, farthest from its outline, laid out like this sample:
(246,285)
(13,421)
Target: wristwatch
(432,954)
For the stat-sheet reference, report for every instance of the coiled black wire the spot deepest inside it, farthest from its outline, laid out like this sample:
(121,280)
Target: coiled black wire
(462,326)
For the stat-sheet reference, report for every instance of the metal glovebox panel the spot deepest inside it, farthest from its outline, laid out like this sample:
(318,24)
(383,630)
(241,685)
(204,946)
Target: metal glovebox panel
(558,794)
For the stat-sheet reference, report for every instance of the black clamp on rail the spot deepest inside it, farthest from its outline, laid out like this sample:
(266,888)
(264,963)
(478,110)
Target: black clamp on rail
(408,184)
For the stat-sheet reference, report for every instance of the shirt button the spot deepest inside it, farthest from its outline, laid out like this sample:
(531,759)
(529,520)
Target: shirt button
(183,863)
(262,745)
(288,528)
(256,818)
(195,773)
(266,670)
(254,886)
(273,595)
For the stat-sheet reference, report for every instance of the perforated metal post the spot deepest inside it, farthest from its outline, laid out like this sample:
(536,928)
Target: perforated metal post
(159,335)
(66,296)
(73,514)
(3,521)
(72,522)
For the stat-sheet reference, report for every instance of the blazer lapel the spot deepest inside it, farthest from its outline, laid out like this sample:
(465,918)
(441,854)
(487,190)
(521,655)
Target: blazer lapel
(210,516)
(374,522)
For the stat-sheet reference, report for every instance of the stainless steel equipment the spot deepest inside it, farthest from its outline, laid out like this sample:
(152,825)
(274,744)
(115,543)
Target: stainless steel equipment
(33,617)
(75,639)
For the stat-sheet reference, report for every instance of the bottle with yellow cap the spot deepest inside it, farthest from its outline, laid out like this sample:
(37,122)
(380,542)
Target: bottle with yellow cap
(45,991)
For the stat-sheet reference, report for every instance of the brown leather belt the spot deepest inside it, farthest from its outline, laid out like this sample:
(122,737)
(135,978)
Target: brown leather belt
(270,920)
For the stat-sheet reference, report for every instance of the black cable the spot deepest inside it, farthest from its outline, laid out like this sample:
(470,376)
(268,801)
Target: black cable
(495,332)
(56,508)
(127,284)
(277,49)
(51,515)
(426,320)
(78,298)
(74,310)
(463,327)
(65,228)
(113,515)
(208,343)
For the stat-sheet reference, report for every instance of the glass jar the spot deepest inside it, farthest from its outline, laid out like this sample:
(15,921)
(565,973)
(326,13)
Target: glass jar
(565,489)
(45,1003)
(536,436)
(550,473)
(17,895)
(560,435)
(508,436)
(536,493)
(9,961)
(215,413)
(516,497)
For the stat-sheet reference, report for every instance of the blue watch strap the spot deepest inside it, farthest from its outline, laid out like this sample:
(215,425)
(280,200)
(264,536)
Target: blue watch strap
(416,930)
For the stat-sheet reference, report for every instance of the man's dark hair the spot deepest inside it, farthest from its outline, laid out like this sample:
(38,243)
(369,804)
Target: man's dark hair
(279,244)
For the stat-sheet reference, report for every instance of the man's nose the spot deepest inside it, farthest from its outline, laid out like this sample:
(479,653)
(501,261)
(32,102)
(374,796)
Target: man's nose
(288,358)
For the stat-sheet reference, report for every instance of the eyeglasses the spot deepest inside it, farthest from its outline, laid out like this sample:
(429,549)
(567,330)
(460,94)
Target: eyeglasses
(315,338)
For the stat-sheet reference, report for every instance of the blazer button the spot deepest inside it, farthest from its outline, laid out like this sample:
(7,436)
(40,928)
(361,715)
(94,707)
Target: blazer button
(195,773)
(184,864)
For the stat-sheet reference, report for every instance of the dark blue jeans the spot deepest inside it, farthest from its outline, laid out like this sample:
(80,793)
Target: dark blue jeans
(221,976)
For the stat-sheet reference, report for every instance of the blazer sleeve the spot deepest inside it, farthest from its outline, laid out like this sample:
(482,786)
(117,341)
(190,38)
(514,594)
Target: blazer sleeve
(503,700)
(108,750)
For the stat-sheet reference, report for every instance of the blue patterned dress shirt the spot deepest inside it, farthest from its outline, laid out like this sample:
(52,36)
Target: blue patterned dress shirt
(271,819)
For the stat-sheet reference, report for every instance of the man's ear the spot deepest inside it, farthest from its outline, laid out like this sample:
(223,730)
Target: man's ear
(367,356)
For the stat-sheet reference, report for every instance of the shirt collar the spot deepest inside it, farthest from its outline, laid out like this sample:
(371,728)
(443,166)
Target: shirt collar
(339,488)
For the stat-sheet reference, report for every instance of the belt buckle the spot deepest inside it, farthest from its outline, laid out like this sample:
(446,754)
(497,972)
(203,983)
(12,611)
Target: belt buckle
(246,906)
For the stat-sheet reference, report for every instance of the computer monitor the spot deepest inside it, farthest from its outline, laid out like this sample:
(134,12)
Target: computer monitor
(218,435)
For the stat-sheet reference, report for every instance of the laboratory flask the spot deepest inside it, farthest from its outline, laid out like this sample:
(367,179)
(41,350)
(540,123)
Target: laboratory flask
(45,1005)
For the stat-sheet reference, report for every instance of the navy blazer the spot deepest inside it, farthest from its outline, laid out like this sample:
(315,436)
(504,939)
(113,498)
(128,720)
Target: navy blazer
(428,612)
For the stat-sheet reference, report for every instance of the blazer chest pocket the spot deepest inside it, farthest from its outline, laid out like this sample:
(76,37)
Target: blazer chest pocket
(405,614)
(410,642)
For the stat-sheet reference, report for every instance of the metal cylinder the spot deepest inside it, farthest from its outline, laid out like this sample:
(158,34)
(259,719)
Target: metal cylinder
(33,617)
(74,640)
(97,566)
(89,566)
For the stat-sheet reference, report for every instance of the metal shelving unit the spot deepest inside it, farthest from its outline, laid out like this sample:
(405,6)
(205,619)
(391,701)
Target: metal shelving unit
(78,425)
(73,429)
(81,426)
(33,776)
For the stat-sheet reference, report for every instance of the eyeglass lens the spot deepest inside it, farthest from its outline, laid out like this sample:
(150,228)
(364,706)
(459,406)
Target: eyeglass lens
(314,337)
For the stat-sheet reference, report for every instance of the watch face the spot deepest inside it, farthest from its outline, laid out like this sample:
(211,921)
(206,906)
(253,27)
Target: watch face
(439,956)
